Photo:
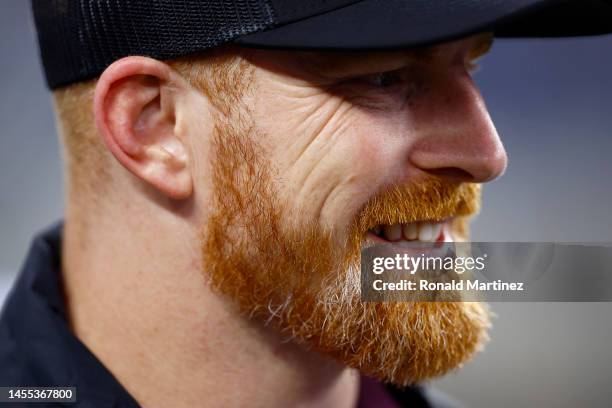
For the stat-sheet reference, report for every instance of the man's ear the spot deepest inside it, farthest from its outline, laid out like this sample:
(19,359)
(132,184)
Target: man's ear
(135,106)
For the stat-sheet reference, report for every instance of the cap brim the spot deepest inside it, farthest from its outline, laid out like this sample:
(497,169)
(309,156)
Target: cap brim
(393,24)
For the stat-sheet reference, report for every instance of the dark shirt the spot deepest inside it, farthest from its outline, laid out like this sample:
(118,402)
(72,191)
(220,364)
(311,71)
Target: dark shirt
(37,347)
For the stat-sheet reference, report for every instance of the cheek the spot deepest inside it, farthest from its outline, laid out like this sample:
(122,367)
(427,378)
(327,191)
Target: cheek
(331,156)
(370,154)
(375,149)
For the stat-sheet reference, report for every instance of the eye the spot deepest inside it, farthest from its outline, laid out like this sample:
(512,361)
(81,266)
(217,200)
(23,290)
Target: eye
(382,79)
(473,66)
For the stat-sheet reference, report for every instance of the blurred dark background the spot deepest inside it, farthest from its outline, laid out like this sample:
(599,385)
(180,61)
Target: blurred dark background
(552,103)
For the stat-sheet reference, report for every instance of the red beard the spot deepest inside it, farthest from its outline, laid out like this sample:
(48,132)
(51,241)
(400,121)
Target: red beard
(306,282)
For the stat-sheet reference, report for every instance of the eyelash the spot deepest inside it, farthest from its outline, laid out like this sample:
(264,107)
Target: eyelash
(473,66)
(388,80)
(382,79)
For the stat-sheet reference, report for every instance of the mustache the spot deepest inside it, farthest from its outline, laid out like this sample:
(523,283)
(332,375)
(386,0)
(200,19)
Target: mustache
(429,199)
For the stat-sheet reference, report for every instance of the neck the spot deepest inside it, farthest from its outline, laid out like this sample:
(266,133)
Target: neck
(138,300)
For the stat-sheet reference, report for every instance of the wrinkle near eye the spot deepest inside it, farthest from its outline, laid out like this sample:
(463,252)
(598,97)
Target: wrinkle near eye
(392,96)
(314,123)
(313,164)
(322,139)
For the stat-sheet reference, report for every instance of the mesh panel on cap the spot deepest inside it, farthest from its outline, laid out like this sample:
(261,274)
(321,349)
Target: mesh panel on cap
(78,39)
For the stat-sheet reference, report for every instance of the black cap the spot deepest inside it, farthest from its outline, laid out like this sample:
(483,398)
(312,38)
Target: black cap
(78,39)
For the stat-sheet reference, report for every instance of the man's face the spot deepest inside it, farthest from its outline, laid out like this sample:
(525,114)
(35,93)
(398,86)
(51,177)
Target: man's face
(327,153)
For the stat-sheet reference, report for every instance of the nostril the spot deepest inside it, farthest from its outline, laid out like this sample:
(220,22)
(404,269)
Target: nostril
(452,173)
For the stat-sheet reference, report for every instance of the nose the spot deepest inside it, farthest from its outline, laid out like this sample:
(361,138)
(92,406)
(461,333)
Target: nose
(457,138)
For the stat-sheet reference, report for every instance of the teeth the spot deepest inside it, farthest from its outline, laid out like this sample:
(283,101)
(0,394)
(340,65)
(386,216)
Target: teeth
(425,231)
(411,231)
(436,231)
(377,230)
(393,232)
(422,231)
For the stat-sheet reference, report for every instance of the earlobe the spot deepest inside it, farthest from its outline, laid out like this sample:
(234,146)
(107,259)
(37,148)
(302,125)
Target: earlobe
(134,109)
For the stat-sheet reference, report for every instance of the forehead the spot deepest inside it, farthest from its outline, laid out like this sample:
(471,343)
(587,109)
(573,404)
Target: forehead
(346,63)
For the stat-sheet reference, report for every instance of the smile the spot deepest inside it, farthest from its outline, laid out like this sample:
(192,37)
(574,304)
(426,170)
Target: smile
(420,231)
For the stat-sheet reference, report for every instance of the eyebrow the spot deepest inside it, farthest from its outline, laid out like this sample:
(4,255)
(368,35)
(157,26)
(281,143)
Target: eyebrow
(351,63)
(482,45)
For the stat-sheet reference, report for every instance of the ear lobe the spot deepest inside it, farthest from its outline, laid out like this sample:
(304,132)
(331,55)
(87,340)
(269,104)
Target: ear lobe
(134,109)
